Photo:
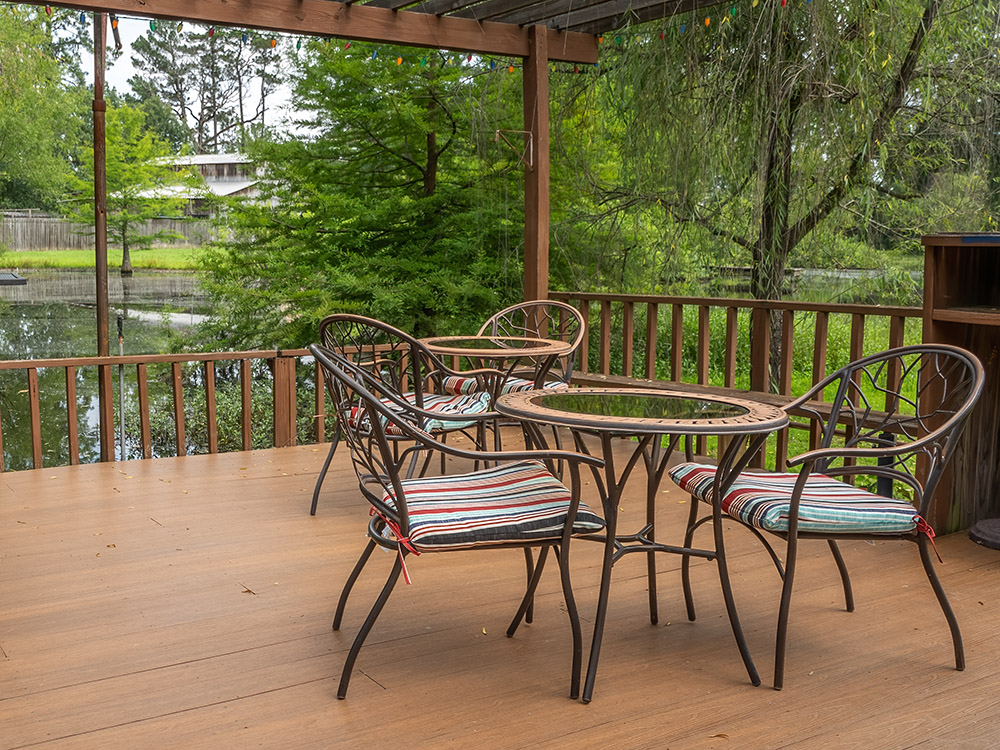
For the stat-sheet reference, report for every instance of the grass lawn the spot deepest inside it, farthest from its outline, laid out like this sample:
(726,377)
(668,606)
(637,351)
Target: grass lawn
(167,258)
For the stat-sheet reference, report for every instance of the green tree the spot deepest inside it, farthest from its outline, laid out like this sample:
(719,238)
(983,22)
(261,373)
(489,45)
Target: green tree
(36,111)
(387,208)
(215,81)
(141,184)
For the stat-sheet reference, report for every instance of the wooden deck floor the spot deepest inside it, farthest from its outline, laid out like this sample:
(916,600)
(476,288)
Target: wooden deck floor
(186,603)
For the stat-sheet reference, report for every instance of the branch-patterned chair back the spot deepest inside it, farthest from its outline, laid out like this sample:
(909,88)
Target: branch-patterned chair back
(366,403)
(391,356)
(911,401)
(542,319)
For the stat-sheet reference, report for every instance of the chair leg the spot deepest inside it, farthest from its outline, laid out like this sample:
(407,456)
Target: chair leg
(692,525)
(727,595)
(529,568)
(949,614)
(322,472)
(574,620)
(786,601)
(528,600)
(844,576)
(359,640)
(358,567)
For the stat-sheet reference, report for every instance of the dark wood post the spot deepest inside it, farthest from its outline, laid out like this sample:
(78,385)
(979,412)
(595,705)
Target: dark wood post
(106,405)
(536,177)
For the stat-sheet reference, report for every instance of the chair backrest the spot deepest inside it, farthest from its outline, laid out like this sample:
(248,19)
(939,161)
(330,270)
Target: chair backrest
(366,405)
(392,357)
(544,319)
(911,402)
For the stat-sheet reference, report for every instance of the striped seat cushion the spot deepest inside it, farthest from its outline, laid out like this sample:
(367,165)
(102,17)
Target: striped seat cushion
(828,506)
(457,384)
(451,408)
(511,502)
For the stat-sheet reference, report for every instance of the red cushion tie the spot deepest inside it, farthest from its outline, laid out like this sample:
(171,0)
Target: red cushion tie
(401,541)
(925,528)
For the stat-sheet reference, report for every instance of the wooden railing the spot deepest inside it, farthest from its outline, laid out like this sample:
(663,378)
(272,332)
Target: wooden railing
(708,342)
(670,339)
(649,351)
(281,365)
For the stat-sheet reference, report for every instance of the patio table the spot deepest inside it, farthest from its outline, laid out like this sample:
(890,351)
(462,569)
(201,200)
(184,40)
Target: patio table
(503,353)
(650,417)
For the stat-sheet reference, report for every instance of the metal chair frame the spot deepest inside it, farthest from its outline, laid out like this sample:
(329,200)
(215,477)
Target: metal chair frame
(400,364)
(893,410)
(543,319)
(360,399)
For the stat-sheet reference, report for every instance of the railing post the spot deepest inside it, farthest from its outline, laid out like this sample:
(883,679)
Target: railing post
(760,349)
(284,401)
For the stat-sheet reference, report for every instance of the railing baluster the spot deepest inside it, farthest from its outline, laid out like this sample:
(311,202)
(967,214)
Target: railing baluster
(320,405)
(178,385)
(628,331)
(211,422)
(820,336)
(732,332)
(246,406)
(584,359)
(703,362)
(35,416)
(652,310)
(145,434)
(72,429)
(785,383)
(605,350)
(677,342)
(107,412)
(2,467)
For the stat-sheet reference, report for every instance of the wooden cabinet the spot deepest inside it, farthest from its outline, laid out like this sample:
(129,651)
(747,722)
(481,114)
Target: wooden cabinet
(962,307)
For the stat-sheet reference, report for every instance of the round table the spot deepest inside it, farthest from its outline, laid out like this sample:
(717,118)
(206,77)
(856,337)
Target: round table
(649,415)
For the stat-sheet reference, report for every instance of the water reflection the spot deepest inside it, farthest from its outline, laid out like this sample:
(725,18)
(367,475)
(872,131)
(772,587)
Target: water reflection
(54,331)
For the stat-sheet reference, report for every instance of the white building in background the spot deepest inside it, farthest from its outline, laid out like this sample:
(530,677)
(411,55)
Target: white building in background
(225,176)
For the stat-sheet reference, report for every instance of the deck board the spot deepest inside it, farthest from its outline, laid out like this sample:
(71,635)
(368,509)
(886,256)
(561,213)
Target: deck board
(187,602)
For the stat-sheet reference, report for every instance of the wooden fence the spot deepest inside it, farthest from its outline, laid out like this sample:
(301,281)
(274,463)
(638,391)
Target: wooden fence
(34,232)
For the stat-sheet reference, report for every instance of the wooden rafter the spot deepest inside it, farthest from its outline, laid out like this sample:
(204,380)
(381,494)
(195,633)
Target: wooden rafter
(362,22)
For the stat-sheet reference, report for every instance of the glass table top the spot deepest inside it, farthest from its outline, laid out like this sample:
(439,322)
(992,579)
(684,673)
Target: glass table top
(640,405)
(638,411)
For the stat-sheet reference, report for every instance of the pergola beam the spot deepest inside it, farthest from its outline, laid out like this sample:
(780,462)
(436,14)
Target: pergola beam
(327,18)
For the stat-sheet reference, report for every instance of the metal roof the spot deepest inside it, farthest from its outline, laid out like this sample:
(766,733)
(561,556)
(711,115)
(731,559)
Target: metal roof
(585,16)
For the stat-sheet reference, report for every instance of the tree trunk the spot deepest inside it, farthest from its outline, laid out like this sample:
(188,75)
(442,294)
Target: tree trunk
(126,257)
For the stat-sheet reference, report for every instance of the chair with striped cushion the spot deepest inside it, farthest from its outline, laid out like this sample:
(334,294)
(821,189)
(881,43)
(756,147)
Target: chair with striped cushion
(538,318)
(406,368)
(517,502)
(893,425)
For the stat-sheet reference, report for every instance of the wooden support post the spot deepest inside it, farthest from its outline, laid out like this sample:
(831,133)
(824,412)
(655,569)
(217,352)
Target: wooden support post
(284,401)
(104,394)
(536,176)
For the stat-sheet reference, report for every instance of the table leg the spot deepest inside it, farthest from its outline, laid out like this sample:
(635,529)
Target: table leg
(611,524)
(652,485)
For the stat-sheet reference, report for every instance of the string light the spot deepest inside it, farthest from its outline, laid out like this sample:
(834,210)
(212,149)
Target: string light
(48,11)
(211,31)
(152,25)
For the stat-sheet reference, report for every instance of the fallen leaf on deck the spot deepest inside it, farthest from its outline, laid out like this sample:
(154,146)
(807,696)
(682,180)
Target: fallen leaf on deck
(484,631)
(720,736)
(112,546)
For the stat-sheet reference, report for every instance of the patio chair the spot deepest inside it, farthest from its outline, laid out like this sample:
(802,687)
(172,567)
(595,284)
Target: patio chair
(538,318)
(896,417)
(516,503)
(405,368)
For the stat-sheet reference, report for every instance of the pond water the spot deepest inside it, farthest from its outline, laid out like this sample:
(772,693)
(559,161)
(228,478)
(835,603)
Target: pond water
(43,328)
